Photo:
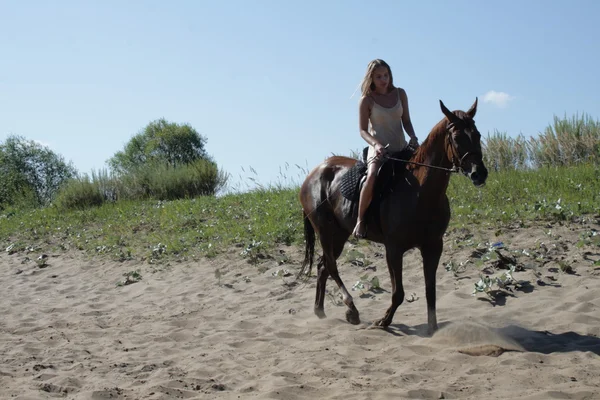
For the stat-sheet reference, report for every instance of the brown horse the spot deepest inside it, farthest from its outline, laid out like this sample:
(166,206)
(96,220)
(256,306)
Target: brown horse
(413,211)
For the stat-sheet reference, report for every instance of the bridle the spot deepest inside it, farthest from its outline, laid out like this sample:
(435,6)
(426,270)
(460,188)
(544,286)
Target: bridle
(450,142)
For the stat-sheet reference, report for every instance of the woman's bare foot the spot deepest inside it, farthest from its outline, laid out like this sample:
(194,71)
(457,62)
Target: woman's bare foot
(360,230)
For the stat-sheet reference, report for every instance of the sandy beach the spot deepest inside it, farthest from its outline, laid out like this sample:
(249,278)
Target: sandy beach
(67,330)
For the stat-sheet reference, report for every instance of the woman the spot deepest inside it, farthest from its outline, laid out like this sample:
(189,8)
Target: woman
(383,119)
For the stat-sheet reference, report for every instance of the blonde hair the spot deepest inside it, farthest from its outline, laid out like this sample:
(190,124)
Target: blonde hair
(367,85)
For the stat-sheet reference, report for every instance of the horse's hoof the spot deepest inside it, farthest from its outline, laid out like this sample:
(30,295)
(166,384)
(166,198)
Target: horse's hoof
(352,316)
(319,312)
(379,324)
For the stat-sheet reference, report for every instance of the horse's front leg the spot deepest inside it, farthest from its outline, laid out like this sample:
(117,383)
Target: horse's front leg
(394,263)
(431,254)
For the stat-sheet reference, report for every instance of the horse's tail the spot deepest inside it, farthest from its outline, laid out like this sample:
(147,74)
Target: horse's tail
(309,249)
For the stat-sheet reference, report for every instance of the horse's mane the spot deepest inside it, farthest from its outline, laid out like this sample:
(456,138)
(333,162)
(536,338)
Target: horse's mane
(437,132)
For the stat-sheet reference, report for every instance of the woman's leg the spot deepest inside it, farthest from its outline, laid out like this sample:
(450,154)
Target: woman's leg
(366,194)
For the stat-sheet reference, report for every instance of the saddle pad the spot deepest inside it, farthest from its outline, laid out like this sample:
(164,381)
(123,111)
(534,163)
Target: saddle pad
(351,179)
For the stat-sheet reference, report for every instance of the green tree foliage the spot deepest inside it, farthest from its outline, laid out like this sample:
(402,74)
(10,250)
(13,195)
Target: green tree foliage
(30,173)
(160,142)
(164,161)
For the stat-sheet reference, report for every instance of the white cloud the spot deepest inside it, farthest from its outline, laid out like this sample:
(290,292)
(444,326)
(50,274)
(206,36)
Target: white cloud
(499,99)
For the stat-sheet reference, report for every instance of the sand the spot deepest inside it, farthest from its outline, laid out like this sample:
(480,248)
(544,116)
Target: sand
(68,331)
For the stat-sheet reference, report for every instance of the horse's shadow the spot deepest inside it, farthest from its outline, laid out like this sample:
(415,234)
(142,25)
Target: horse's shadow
(417,330)
(544,342)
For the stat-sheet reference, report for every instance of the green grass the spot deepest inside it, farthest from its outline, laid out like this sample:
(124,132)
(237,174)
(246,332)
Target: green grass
(157,230)
(525,196)
(254,223)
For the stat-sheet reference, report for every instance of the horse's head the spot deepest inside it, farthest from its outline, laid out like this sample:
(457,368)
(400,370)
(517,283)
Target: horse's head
(464,144)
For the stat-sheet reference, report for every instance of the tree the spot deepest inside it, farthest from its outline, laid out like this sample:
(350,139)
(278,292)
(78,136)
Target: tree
(160,142)
(28,169)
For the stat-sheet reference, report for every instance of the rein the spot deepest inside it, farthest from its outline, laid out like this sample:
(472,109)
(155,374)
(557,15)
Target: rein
(453,169)
(456,167)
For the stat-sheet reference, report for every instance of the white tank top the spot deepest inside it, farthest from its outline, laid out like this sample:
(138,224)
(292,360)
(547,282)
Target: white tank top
(385,124)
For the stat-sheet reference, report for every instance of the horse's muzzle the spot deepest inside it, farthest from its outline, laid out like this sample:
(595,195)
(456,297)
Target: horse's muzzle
(478,174)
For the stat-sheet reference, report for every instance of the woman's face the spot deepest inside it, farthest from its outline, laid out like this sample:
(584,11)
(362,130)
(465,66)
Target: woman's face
(381,79)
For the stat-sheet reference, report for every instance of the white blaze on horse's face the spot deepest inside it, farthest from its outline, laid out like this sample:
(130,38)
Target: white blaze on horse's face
(471,151)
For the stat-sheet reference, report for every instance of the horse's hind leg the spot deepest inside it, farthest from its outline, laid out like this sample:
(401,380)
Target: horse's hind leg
(323,274)
(333,244)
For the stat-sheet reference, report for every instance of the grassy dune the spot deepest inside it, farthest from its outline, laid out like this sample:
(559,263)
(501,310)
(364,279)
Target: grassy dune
(256,222)
(552,177)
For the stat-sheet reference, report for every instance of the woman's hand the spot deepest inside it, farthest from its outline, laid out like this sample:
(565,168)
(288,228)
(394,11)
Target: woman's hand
(380,150)
(414,142)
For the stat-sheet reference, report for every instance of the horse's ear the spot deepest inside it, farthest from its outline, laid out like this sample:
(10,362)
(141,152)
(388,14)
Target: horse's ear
(473,110)
(449,114)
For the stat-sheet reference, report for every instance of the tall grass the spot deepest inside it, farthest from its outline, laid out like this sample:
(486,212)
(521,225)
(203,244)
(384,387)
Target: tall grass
(289,177)
(160,182)
(566,142)
(503,152)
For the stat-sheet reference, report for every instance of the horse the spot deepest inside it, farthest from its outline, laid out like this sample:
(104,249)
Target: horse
(409,209)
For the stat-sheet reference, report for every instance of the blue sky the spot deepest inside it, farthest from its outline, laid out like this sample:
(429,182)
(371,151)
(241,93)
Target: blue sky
(269,83)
